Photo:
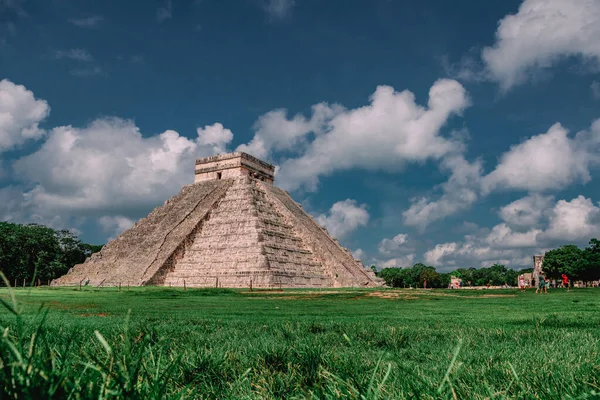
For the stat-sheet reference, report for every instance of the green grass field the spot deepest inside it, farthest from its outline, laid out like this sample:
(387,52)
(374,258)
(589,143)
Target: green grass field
(361,344)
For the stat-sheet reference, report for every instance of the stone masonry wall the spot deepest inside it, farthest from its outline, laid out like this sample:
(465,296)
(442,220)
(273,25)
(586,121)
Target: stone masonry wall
(242,242)
(136,255)
(338,262)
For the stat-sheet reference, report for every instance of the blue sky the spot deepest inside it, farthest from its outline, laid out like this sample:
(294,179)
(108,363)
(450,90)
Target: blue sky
(455,133)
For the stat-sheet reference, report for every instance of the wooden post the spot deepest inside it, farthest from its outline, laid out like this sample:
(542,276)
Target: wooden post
(184,287)
(217,282)
(15,283)
(119,286)
(250,284)
(80,284)
(39,284)
(23,282)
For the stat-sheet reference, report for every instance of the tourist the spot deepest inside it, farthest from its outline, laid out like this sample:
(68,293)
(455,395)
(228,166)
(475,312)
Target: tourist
(522,283)
(565,281)
(553,283)
(541,284)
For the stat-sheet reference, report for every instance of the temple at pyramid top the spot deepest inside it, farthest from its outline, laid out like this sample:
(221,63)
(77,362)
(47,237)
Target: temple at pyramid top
(233,165)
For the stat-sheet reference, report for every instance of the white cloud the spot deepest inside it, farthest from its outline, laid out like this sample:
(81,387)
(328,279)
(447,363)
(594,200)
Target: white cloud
(525,212)
(20,115)
(278,9)
(550,160)
(109,169)
(115,225)
(573,221)
(502,236)
(407,260)
(459,193)
(388,246)
(166,12)
(74,54)
(11,199)
(540,34)
(385,134)
(435,255)
(275,132)
(215,136)
(87,22)
(476,252)
(344,217)
(359,254)
(398,251)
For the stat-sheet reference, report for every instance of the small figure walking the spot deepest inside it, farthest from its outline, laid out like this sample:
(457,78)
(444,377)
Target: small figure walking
(565,281)
(541,285)
(522,283)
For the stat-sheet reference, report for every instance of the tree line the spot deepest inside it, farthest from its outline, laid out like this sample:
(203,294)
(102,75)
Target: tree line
(578,264)
(32,250)
(418,274)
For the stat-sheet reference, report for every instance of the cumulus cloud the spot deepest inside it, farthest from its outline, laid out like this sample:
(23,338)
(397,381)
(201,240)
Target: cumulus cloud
(459,192)
(525,212)
(275,132)
(359,254)
(389,132)
(115,225)
(502,236)
(551,160)
(398,251)
(87,22)
(544,162)
(389,246)
(475,252)
(109,168)
(344,217)
(574,221)
(20,115)
(106,170)
(406,260)
(214,136)
(540,34)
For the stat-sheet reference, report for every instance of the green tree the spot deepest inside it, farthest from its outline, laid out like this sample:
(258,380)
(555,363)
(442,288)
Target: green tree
(591,261)
(28,251)
(568,259)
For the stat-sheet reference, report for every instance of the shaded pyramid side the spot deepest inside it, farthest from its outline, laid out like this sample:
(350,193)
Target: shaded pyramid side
(244,240)
(337,261)
(134,257)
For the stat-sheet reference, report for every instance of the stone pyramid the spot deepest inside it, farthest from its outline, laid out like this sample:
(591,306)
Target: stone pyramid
(230,228)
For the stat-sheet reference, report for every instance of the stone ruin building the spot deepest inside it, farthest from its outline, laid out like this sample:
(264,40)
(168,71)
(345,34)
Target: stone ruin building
(230,228)
(538,261)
